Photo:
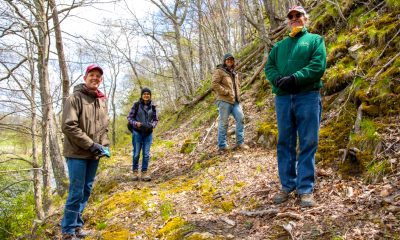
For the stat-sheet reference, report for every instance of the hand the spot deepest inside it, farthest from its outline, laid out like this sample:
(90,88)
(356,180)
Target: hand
(287,84)
(96,149)
(105,152)
(147,126)
(138,124)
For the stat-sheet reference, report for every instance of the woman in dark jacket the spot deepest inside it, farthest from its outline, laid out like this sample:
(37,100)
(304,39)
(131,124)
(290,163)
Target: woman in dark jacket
(143,117)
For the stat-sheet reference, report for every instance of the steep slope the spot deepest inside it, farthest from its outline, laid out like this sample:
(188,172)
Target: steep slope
(199,194)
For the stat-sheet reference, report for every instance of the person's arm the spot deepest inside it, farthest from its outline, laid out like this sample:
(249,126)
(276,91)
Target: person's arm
(70,124)
(271,71)
(216,83)
(155,118)
(316,67)
(131,117)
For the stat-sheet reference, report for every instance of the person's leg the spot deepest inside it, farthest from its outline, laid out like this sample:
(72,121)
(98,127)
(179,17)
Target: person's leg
(137,146)
(237,113)
(286,147)
(91,170)
(308,116)
(224,110)
(76,173)
(146,151)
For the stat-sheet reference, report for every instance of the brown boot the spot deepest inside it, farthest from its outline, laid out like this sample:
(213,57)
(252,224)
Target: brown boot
(307,200)
(80,233)
(280,197)
(135,176)
(146,176)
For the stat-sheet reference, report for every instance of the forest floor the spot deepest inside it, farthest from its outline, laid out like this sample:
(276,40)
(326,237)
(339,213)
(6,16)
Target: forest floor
(208,195)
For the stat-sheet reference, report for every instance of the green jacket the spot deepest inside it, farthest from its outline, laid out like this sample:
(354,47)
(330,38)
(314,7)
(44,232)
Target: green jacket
(304,56)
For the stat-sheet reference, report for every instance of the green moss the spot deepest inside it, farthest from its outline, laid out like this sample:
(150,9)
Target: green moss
(339,76)
(334,135)
(188,146)
(379,31)
(395,4)
(370,110)
(101,225)
(124,201)
(335,50)
(251,47)
(227,206)
(175,229)
(269,131)
(376,170)
(206,163)
(122,234)
(166,210)
(368,57)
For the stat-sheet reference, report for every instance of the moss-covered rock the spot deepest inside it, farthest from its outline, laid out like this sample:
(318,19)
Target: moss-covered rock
(175,229)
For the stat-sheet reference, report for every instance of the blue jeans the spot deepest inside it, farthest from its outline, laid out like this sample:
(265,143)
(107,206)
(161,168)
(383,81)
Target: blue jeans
(224,110)
(81,177)
(298,115)
(141,142)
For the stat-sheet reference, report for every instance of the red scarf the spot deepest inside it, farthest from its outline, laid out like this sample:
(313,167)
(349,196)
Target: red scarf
(100,95)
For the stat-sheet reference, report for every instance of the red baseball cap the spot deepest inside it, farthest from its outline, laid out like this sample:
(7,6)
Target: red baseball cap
(92,67)
(299,9)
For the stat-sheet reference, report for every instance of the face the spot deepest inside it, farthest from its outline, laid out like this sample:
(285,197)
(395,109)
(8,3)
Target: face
(93,79)
(230,62)
(146,96)
(296,19)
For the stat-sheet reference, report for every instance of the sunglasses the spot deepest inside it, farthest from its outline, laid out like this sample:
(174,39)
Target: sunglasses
(298,15)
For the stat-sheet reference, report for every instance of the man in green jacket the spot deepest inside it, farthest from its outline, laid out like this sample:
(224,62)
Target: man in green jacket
(294,69)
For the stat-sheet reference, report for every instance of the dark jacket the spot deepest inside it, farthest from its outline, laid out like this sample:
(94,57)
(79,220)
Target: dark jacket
(84,121)
(304,56)
(146,114)
(226,84)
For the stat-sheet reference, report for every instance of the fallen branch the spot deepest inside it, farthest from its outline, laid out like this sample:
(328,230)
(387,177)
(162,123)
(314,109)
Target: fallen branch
(198,99)
(208,132)
(21,170)
(383,69)
(387,45)
(270,212)
(249,57)
(260,68)
(290,214)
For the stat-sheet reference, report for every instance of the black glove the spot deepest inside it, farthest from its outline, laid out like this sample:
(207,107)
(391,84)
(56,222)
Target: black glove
(287,84)
(96,149)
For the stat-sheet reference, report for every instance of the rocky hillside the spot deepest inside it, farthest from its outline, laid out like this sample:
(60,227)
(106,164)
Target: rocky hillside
(197,193)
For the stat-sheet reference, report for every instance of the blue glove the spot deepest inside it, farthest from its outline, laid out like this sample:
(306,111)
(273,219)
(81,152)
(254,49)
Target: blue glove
(105,151)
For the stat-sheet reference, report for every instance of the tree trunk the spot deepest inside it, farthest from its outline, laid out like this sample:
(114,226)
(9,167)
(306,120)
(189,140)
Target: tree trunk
(48,130)
(201,53)
(37,186)
(60,52)
(242,24)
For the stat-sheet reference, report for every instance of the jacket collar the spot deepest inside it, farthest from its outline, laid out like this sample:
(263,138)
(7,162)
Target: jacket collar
(224,68)
(303,31)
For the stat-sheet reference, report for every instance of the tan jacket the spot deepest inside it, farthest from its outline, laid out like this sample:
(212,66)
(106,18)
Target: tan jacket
(84,121)
(223,85)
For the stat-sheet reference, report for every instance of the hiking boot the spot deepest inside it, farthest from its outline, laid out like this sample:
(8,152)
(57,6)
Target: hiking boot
(80,233)
(223,150)
(146,176)
(307,200)
(241,147)
(135,176)
(69,236)
(280,197)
